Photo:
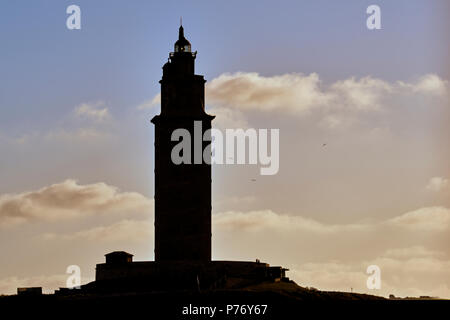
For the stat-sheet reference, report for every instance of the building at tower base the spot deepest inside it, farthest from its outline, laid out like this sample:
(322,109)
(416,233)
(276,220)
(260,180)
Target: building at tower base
(121,275)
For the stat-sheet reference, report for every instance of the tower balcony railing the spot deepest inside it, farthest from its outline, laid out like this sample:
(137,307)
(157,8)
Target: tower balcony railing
(172,54)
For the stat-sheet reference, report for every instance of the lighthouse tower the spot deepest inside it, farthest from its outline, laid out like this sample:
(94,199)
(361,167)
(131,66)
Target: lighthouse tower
(182,191)
(182,200)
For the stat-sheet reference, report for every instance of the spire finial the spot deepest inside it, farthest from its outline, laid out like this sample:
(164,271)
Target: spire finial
(181,30)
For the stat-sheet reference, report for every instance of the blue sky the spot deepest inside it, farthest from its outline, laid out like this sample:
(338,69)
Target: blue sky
(40,55)
(378,99)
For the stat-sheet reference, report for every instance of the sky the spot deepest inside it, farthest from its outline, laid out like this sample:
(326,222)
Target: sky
(76,144)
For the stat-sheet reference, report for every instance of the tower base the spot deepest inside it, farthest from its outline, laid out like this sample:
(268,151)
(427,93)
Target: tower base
(151,276)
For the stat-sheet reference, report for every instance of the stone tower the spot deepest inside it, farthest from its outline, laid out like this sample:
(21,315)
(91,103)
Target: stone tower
(182,191)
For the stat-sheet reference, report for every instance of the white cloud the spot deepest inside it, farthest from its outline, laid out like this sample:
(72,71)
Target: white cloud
(127,231)
(92,111)
(298,93)
(68,200)
(246,91)
(335,257)
(269,220)
(424,219)
(428,84)
(339,104)
(437,184)
(228,118)
(412,252)
(364,94)
(402,277)
(338,121)
(149,104)
(69,131)
(323,255)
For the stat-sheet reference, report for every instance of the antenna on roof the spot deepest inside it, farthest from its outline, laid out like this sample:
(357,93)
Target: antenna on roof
(181,21)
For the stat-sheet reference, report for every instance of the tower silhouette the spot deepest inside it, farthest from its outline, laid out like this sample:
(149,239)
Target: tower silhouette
(182,191)
(182,201)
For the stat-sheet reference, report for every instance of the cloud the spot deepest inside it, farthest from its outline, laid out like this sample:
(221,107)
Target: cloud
(235,201)
(269,220)
(407,276)
(246,91)
(80,135)
(412,252)
(339,104)
(225,117)
(49,283)
(92,111)
(68,200)
(336,120)
(323,255)
(228,118)
(149,104)
(336,256)
(437,184)
(428,84)
(364,94)
(425,219)
(68,130)
(298,93)
(122,231)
